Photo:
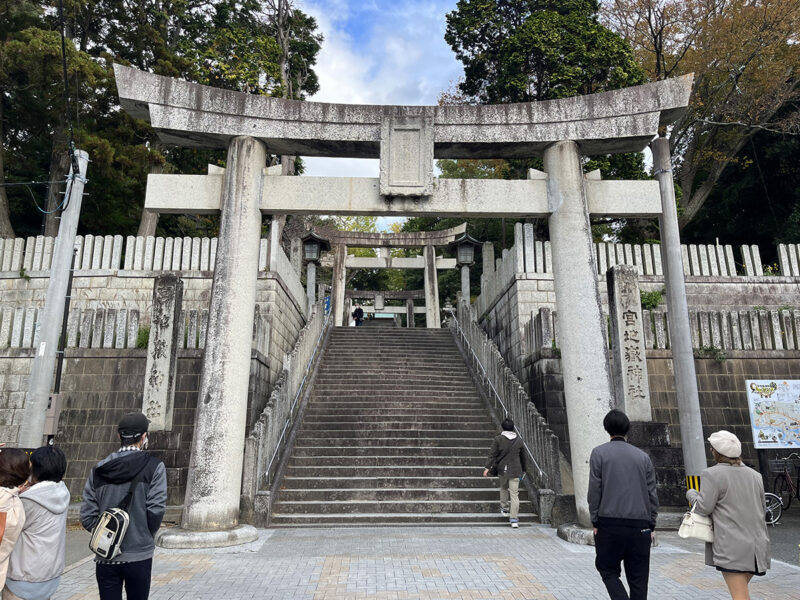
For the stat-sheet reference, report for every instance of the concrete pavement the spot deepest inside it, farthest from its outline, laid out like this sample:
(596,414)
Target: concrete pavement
(399,563)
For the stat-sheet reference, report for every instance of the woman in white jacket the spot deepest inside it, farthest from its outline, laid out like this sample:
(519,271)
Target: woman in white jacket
(14,470)
(37,560)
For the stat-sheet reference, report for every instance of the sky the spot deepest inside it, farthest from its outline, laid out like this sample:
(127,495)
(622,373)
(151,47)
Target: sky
(379,52)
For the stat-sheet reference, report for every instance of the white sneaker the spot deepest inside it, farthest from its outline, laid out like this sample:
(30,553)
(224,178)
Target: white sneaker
(514,524)
(503,512)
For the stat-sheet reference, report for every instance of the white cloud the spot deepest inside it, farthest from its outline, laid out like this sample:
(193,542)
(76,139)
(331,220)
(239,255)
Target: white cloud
(379,52)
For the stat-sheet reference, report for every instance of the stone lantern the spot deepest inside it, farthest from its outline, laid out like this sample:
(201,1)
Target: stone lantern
(313,246)
(465,257)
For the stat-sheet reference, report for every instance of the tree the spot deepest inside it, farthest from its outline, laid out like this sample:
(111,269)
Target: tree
(745,57)
(527,50)
(757,200)
(224,43)
(14,17)
(34,132)
(532,50)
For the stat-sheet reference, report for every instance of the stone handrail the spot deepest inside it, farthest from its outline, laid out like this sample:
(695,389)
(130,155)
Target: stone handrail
(508,398)
(267,439)
(746,330)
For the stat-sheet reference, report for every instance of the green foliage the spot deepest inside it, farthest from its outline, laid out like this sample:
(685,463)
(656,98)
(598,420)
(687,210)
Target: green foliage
(651,300)
(143,337)
(757,200)
(530,50)
(224,43)
(537,50)
(712,352)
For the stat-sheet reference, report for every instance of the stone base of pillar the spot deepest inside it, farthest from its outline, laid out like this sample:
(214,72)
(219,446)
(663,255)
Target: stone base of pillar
(574,533)
(178,538)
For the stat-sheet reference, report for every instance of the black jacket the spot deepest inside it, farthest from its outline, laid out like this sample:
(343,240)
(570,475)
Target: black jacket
(107,486)
(508,455)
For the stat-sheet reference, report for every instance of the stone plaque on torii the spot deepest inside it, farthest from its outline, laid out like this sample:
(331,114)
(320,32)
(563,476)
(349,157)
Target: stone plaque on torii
(407,139)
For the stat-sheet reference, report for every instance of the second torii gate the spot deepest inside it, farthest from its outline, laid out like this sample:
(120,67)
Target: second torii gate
(429,262)
(407,139)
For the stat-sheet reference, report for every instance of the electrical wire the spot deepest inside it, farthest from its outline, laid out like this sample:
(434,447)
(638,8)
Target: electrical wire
(73,157)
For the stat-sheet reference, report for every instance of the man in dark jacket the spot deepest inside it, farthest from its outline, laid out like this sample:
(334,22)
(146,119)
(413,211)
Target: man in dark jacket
(128,469)
(623,505)
(358,315)
(507,456)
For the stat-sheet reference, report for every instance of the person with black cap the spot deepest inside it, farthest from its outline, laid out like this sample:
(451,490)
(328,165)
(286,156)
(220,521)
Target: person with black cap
(129,469)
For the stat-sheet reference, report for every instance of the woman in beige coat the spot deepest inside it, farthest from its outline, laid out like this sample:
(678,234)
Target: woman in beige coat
(14,470)
(733,496)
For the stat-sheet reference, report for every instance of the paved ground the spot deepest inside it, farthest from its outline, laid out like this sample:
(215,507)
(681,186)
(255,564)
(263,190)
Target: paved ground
(785,535)
(466,563)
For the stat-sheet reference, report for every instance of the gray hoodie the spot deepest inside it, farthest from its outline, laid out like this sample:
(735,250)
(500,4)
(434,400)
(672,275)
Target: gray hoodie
(39,552)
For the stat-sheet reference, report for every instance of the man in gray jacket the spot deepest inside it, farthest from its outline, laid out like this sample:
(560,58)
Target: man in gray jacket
(623,505)
(128,470)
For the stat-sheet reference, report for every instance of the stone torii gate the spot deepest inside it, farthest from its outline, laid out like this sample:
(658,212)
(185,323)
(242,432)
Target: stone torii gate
(407,296)
(407,139)
(429,262)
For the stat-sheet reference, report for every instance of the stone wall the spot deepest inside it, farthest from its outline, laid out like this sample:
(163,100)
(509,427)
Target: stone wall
(100,386)
(721,385)
(718,278)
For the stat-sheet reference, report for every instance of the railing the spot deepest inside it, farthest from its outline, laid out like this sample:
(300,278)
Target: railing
(267,440)
(509,399)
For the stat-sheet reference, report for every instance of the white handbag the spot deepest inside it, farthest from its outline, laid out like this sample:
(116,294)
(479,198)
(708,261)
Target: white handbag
(696,526)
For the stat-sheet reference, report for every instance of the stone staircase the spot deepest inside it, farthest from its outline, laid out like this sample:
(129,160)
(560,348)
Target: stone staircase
(395,432)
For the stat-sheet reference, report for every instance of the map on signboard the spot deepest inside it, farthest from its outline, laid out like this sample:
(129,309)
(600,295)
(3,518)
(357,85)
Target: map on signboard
(774,412)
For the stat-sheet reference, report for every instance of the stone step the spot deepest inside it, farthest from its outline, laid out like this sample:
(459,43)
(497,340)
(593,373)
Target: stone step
(384,519)
(408,442)
(470,460)
(393,506)
(392,434)
(391,371)
(378,371)
(320,414)
(445,428)
(377,415)
(391,332)
(419,363)
(352,352)
(381,422)
(383,481)
(321,390)
(394,495)
(384,471)
(349,450)
(329,404)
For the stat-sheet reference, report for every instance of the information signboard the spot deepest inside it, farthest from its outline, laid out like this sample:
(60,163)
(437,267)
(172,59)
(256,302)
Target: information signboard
(774,412)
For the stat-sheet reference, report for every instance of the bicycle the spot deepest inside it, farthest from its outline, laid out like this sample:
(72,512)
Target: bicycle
(785,487)
(773,508)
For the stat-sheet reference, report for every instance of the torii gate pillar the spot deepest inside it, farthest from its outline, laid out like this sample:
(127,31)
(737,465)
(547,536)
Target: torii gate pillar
(211,507)
(338,283)
(680,337)
(584,350)
(432,317)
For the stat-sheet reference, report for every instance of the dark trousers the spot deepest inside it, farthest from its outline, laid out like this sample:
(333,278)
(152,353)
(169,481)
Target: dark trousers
(135,576)
(631,547)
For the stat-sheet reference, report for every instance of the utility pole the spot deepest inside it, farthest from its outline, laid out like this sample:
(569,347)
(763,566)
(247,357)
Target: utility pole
(31,431)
